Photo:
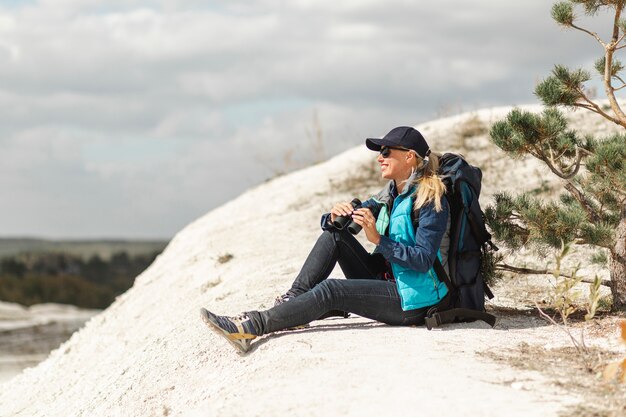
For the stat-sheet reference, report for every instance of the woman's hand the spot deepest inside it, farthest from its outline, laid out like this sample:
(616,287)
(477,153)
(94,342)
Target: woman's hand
(341,209)
(364,218)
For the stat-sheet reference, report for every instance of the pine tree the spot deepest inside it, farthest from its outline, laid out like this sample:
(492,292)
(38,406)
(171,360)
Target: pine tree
(592,208)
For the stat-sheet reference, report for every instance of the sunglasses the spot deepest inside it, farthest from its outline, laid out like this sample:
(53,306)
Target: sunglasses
(385,151)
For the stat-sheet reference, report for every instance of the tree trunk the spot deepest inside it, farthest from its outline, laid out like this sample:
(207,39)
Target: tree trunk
(618,265)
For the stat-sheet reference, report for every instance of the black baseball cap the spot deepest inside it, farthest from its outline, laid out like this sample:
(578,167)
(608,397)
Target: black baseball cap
(403,137)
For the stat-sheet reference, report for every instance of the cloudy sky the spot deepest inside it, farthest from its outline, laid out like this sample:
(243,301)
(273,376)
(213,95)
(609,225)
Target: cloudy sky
(131,118)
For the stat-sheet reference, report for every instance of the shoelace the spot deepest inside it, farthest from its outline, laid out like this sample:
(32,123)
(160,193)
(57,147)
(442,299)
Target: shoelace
(283,298)
(241,317)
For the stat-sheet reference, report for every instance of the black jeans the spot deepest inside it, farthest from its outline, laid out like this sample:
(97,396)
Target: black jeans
(364,292)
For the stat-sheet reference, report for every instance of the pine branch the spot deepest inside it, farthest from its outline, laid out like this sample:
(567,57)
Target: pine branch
(579,157)
(551,164)
(608,86)
(559,156)
(586,107)
(593,216)
(599,111)
(529,271)
(595,108)
(593,34)
(618,13)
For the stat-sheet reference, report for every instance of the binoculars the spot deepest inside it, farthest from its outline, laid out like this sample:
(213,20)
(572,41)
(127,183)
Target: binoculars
(342,222)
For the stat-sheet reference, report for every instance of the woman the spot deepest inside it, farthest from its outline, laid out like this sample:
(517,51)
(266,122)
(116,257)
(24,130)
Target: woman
(396,284)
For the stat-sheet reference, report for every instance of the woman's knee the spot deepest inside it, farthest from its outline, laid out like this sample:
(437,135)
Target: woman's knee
(332,233)
(328,236)
(326,291)
(331,238)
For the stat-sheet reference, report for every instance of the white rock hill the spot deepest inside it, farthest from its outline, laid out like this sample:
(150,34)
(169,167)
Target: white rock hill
(149,354)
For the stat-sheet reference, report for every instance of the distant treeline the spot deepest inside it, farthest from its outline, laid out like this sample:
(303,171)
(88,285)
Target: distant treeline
(105,248)
(33,278)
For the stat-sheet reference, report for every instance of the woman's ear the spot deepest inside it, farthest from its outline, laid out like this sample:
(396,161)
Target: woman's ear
(413,159)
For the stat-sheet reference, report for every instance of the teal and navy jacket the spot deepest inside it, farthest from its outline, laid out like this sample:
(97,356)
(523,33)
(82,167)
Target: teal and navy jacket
(410,249)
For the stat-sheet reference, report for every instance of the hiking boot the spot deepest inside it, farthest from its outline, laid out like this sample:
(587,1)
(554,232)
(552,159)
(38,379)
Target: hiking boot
(332,313)
(239,331)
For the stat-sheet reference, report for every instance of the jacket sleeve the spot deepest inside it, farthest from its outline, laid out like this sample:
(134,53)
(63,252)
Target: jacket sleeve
(325,222)
(327,225)
(428,235)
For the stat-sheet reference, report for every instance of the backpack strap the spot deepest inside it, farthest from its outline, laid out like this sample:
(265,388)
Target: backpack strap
(437,318)
(479,230)
(487,290)
(442,275)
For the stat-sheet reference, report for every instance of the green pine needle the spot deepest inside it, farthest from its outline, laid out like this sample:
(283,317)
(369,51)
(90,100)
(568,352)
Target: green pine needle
(589,144)
(563,87)
(563,13)
(554,122)
(599,235)
(608,163)
(568,200)
(506,139)
(600,258)
(616,66)
(592,6)
(545,136)
(599,65)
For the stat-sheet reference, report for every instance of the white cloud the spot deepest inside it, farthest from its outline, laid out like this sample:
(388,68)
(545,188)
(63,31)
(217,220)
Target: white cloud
(106,102)
(185,123)
(354,32)
(223,86)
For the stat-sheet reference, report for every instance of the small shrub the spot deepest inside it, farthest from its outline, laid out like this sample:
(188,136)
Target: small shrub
(473,126)
(600,258)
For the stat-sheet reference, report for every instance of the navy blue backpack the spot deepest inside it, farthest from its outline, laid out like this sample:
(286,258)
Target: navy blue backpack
(469,241)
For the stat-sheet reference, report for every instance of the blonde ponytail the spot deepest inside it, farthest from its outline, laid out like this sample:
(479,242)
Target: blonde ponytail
(430,187)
